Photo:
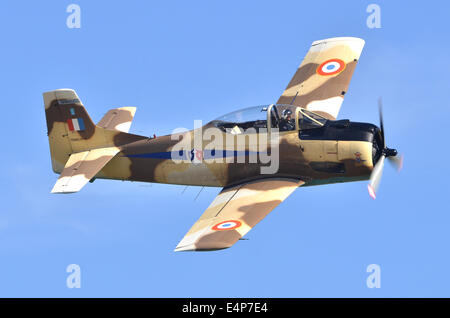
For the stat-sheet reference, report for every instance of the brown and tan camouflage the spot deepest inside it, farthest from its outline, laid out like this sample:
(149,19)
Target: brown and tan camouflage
(322,92)
(118,119)
(232,205)
(108,151)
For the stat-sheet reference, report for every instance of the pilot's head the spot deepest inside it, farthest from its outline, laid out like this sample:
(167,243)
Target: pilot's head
(287,113)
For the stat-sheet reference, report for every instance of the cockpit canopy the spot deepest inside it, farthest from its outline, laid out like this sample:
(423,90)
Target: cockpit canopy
(282,117)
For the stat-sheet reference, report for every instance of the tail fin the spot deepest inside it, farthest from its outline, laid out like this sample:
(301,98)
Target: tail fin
(79,148)
(69,126)
(71,130)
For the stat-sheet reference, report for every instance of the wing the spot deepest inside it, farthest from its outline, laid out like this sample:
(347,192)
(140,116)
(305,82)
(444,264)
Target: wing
(322,79)
(234,212)
(118,119)
(82,167)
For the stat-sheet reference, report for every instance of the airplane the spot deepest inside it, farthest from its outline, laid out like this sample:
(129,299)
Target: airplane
(258,156)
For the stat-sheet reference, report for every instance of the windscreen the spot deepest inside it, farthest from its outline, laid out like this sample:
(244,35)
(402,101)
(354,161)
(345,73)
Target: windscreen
(243,119)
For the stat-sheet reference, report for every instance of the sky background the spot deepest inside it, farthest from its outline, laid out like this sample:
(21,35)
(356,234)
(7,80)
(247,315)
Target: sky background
(183,60)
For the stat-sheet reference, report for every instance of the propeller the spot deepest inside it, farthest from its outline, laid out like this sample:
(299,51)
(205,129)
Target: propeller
(391,154)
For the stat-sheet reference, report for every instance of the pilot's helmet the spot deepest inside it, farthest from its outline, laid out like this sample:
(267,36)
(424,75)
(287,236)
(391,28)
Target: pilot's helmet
(286,113)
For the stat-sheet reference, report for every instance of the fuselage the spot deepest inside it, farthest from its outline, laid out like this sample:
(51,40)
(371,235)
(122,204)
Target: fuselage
(337,151)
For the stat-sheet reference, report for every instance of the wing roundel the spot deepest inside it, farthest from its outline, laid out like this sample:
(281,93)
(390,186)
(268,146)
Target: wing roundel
(322,79)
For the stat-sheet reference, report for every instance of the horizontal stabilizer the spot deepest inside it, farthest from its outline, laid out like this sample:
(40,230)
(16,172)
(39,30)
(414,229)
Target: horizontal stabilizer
(118,119)
(82,167)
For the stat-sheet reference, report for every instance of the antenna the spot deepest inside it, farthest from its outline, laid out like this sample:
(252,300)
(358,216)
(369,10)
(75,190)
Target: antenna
(183,190)
(199,193)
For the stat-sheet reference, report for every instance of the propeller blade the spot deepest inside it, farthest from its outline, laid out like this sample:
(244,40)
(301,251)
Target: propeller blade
(380,110)
(397,162)
(375,177)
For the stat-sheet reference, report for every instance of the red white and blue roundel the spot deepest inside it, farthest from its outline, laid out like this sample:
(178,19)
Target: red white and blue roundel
(331,67)
(227,225)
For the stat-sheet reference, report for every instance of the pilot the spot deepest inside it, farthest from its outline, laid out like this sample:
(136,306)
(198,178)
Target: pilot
(286,121)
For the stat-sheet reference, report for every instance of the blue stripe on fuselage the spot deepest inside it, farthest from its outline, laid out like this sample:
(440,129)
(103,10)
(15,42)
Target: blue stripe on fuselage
(180,155)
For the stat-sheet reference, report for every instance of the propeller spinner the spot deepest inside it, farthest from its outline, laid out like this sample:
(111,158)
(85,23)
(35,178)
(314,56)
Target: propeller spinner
(391,154)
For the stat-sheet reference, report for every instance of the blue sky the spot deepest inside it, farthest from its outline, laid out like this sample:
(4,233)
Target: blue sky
(178,61)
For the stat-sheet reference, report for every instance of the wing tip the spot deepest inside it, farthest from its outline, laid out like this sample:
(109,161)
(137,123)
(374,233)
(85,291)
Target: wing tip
(342,38)
(193,248)
(187,248)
